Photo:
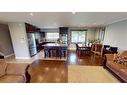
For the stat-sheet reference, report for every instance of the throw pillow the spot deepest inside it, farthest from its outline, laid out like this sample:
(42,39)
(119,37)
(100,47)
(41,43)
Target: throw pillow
(120,59)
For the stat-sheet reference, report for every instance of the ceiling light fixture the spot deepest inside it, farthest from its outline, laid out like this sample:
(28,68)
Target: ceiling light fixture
(73,13)
(20,24)
(31,14)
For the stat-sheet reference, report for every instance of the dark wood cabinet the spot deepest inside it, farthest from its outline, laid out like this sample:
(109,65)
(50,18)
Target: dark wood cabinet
(42,34)
(39,35)
(31,28)
(63,30)
(64,34)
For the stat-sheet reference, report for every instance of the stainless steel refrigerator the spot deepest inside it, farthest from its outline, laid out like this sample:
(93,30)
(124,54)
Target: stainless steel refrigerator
(32,44)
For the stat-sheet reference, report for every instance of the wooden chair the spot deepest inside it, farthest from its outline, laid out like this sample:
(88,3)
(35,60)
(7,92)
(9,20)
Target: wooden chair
(93,48)
(78,49)
(97,50)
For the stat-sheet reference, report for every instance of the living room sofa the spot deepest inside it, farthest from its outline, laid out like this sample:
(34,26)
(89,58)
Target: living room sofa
(119,70)
(13,72)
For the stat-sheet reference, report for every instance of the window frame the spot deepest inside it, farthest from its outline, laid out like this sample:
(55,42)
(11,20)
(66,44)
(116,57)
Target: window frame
(47,38)
(85,40)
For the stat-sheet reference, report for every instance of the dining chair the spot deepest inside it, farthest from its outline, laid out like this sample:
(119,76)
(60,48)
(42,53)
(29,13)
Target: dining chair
(78,49)
(93,47)
(97,51)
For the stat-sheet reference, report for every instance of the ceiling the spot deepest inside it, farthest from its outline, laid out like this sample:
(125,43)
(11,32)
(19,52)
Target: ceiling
(64,19)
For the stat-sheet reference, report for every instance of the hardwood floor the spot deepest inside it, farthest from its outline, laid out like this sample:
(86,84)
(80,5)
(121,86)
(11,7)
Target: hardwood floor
(56,71)
(44,71)
(74,59)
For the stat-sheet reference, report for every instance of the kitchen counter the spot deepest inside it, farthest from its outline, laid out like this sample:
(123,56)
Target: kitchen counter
(40,46)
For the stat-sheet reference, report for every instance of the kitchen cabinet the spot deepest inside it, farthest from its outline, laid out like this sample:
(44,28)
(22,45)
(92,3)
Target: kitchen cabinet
(35,36)
(63,30)
(30,28)
(42,34)
(63,34)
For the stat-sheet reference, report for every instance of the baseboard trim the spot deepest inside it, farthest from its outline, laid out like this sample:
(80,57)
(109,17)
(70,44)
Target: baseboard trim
(22,57)
(9,55)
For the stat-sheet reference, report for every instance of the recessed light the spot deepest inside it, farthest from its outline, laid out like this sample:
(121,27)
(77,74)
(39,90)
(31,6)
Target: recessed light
(31,14)
(20,24)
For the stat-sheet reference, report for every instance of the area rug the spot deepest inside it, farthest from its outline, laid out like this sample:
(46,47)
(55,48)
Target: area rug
(89,74)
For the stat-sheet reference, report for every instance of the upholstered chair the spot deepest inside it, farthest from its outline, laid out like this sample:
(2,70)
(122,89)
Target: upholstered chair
(97,51)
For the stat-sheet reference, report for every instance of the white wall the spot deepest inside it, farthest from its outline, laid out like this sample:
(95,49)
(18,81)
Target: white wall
(91,34)
(6,48)
(19,40)
(116,35)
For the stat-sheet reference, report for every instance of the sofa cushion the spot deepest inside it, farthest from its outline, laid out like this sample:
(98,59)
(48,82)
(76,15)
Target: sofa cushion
(115,66)
(3,66)
(120,59)
(16,68)
(123,74)
(110,57)
(12,79)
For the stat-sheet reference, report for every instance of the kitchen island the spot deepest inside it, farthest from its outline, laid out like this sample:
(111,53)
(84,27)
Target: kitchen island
(55,50)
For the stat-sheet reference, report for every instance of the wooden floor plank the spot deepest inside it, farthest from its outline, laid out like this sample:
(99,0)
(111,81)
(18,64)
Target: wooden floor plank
(56,71)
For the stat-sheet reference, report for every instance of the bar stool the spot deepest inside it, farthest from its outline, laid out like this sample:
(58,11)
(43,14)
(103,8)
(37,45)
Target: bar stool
(55,52)
(47,52)
(63,51)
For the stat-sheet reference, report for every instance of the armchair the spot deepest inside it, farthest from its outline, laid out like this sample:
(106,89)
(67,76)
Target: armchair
(97,50)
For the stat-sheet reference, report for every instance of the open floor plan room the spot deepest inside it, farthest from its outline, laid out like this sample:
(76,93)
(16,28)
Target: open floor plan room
(63,47)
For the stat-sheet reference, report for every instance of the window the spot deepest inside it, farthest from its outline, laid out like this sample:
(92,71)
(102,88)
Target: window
(78,36)
(101,35)
(52,36)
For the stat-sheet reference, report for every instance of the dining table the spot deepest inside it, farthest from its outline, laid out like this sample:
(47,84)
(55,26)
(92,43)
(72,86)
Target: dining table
(84,49)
